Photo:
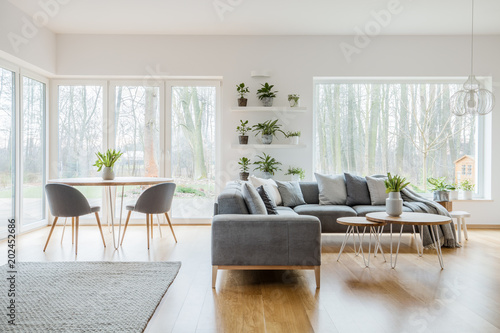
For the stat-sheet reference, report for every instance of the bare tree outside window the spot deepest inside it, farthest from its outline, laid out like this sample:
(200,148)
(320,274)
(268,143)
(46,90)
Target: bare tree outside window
(406,128)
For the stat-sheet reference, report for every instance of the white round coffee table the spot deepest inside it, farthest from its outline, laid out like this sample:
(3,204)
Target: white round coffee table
(413,219)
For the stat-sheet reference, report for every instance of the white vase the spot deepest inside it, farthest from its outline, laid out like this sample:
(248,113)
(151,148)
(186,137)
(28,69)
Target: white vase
(453,195)
(294,140)
(108,173)
(267,139)
(267,175)
(468,195)
(295,178)
(394,204)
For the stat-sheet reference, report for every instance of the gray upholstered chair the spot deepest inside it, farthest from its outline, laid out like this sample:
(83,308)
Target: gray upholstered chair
(67,201)
(154,200)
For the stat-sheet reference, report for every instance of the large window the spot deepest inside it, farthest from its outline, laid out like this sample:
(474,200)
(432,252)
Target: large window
(404,127)
(193,150)
(7,146)
(80,134)
(33,150)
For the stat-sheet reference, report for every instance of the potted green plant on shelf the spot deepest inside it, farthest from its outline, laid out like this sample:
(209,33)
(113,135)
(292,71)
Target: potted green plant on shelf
(266,94)
(268,129)
(267,165)
(296,173)
(242,91)
(242,128)
(468,188)
(107,161)
(393,186)
(293,99)
(440,188)
(244,162)
(454,191)
(294,137)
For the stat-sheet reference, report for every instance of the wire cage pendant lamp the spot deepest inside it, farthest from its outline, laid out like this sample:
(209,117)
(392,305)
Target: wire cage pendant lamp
(472,99)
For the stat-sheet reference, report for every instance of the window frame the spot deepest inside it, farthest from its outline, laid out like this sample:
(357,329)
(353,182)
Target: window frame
(483,143)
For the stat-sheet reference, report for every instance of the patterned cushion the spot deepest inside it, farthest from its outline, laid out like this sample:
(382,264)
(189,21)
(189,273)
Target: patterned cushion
(268,201)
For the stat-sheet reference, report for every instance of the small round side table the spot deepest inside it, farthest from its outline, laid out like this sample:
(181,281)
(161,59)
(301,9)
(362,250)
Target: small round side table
(375,228)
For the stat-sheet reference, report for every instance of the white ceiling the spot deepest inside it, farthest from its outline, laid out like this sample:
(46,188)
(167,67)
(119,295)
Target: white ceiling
(265,17)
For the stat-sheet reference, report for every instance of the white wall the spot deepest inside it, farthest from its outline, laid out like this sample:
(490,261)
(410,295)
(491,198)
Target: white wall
(24,43)
(293,62)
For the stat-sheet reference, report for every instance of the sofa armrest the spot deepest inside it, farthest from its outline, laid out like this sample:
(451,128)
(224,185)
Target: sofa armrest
(260,240)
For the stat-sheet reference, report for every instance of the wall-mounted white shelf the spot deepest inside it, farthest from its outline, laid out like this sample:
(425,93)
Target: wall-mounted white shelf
(277,109)
(271,146)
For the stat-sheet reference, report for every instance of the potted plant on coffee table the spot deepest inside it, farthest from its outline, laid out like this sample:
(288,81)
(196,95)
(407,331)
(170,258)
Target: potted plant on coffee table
(468,189)
(242,91)
(267,165)
(296,173)
(242,128)
(393,186)
(244,162)
(440,188)
(266,94)
(107,161)
(268,129)
(294,137)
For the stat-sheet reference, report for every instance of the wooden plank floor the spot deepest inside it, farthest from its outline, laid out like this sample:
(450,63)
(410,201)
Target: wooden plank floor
(415,297)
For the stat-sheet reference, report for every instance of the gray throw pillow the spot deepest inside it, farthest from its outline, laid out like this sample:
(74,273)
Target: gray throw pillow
(267,198)
(376,186)
(357,190)
(290,193)
(253,200)
(332,189)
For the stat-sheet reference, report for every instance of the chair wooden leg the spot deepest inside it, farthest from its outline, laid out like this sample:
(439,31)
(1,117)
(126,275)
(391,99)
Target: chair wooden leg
(72,230)
(76,234)
(317,273)
(147,228)
(214,275)
(171,228)
(50,233)
(159,225)
(126,225)
(100,228)
(152,224)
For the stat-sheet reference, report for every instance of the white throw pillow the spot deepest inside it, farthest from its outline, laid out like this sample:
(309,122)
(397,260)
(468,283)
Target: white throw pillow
(332,190)
(376,186)
(271,185)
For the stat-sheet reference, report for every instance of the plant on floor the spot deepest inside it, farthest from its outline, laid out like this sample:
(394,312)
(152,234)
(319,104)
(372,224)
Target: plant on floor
(296,172)
(244,162)
(267,164)
(242,91)
(266,94)
(395,183)
(268,129)
(243,129)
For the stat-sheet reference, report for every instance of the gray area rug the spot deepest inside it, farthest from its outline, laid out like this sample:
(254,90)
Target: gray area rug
(85,296)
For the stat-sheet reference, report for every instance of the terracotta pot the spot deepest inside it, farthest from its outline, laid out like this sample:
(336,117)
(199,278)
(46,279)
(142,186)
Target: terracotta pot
(244,176)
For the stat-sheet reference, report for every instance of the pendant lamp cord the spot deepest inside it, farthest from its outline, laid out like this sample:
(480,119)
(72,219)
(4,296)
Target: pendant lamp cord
(472,43)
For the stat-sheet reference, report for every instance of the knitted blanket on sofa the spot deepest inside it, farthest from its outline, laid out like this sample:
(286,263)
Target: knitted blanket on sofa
(417,203)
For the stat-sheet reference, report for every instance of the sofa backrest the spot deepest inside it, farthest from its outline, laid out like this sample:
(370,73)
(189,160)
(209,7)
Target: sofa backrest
(310,191)
(230,200)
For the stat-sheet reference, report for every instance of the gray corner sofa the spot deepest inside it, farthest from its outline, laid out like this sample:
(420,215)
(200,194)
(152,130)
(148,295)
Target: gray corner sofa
(258,242)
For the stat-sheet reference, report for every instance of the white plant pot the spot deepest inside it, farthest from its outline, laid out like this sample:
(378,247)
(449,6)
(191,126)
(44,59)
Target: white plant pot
(267,139)
(453,195)
(294,140)
(394,204)
(267,175)
(468,195)
(295,178)
(108,173)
